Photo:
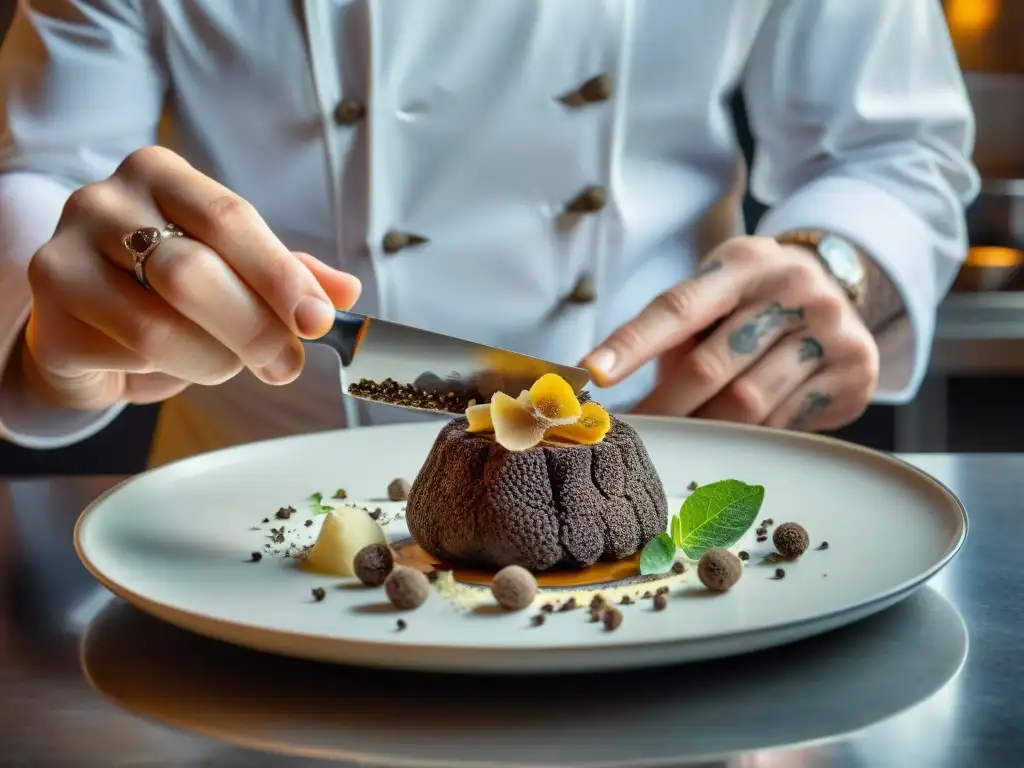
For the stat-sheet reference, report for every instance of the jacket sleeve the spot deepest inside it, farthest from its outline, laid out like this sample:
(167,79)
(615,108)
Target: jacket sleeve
(863,128)
(80,89)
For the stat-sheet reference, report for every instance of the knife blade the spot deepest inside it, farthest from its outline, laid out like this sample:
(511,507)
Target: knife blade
(374,350)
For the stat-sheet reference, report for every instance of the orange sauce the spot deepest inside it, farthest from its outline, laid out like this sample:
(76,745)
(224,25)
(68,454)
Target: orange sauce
(409,553)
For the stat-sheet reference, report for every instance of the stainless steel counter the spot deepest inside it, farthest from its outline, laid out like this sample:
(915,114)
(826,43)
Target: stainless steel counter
(896,678)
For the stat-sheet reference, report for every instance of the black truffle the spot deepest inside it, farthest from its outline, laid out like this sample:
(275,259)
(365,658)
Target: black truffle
(398,489)
(719,569)
(790,540)
(477,504)
(514,588)
(373,563)
(407,588)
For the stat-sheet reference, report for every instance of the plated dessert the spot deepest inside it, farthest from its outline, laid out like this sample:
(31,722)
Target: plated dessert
(541,497)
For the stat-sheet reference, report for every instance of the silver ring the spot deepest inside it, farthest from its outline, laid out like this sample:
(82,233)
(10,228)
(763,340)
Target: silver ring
(142,242)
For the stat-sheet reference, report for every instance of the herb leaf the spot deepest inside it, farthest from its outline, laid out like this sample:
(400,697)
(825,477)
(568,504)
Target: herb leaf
(716,515)
(657,555)
(322,509)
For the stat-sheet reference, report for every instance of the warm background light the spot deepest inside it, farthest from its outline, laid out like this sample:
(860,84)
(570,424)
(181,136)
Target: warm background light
(993,256)
(971,17)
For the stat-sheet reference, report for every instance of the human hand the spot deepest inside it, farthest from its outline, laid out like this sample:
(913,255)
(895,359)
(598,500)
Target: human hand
(761,334)
(228,296)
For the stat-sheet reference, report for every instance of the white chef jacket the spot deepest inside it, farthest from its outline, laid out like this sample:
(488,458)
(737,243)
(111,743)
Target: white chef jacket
(462,125)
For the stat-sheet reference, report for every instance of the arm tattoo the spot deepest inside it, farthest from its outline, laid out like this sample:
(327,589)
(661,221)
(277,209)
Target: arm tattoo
(810,349)
(706,269)
(745,340)
(814,404)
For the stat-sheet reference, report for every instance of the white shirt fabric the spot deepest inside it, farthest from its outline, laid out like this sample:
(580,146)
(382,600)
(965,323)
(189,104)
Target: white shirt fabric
(862,123)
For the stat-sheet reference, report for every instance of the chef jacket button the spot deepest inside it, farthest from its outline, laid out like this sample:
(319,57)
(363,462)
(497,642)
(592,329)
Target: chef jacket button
(583,292)
(590,200)
(349,111)
(394,242)
(597,89)
(594,90)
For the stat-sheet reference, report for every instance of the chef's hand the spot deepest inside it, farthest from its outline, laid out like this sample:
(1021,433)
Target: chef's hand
(228,296)
(761,334)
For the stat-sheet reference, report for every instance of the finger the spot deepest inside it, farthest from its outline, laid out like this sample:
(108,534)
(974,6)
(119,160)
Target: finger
(828,400)
(342,288)
(146,388)
(671,318)
(63,345)
(730,350)
(753,396)
(229,225)
(196,282)
(110,300)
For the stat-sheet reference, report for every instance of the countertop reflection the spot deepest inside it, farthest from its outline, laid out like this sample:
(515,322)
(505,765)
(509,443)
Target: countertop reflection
(863,678)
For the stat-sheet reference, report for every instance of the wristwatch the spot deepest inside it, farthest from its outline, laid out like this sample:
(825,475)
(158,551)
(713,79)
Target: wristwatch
(839,257)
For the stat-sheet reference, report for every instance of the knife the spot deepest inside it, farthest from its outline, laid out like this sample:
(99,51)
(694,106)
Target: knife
(374,350)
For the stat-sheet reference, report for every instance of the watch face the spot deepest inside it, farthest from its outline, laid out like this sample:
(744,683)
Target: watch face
(842,260)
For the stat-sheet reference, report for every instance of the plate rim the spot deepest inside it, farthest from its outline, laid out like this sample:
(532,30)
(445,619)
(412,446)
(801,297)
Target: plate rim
(896,592)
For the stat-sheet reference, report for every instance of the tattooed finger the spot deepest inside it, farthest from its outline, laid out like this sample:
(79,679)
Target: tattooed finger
(754,395)
(828,400)
(749,337)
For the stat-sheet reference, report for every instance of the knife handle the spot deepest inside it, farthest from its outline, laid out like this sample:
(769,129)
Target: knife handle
(344,336)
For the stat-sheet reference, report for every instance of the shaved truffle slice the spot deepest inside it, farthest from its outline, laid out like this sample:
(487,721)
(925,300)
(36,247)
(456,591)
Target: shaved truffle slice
(554,400)
(476,504)
(479,418)
(516,426)
(592,426)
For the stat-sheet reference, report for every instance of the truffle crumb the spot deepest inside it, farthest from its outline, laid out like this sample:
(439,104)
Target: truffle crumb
(398,489)
(341,493)
(377,512)
(678,567)
(743,555)
(255,557)
(514,587)
(537,620)
(373,564)
(284,513)
(308,523)
(400,625)
(266,520)
(598,601)
(719,569)
(626,600)
(762,531)
(612,618)
(548,607)
(762,538)
(660,602)
(319,593)
(661,591)
(770,521)
(779,573)
(569,605)
(790,540)
(692,486)
(406,588)
(823,545)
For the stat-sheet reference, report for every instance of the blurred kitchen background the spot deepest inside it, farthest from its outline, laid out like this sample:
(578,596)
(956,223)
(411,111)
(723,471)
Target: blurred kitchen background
(973,398)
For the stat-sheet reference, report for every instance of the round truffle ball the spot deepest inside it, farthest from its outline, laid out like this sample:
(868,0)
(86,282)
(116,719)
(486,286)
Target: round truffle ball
(373,563)
(407,588)
(398,489)
(719,569)
(514,588)
(790,540)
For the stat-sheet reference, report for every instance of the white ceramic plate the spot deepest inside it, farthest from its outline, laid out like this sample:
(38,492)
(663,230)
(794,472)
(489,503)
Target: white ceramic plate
(175,542)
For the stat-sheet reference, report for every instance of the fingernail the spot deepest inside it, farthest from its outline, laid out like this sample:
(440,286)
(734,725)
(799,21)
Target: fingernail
(313,316)
(600,364)
(284,367)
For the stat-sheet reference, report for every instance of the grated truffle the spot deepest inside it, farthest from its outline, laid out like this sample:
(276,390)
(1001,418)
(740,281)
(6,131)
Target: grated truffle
(373,563)
(476,504)
(719,569)
(790,540)
(407,588)
(514,588)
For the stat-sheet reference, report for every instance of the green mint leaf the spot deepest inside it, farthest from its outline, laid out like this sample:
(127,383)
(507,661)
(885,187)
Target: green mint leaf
(658,555)
(317,497)
(716,515)
(322,509)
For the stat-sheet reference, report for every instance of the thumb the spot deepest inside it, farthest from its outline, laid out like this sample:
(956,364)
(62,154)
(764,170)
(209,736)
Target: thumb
(342,288)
